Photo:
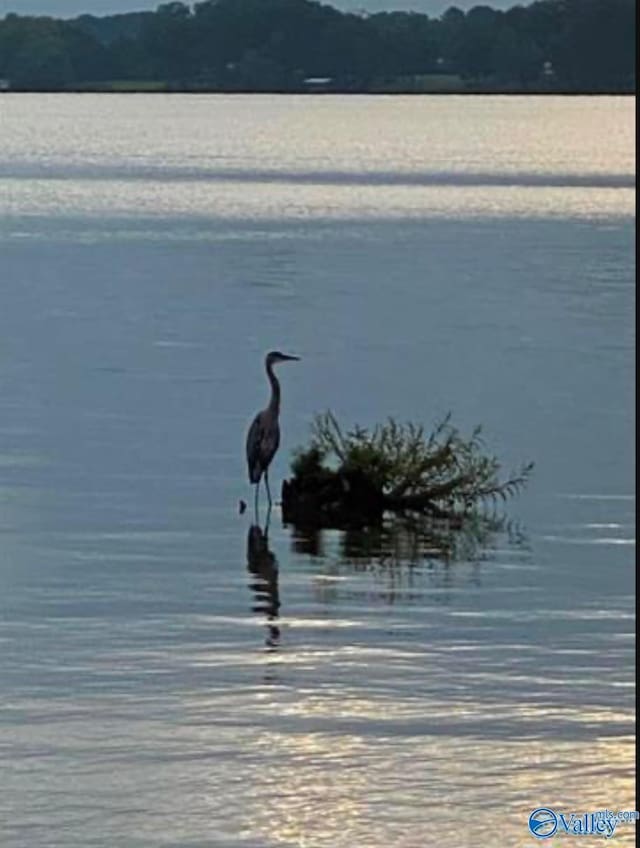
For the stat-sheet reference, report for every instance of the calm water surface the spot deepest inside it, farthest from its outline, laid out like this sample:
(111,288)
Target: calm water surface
(170,677)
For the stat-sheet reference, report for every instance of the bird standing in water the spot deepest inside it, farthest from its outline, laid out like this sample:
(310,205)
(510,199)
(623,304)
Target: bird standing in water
(263,437)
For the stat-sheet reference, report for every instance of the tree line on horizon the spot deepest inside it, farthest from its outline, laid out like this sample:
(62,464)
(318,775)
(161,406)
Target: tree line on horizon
(280,45)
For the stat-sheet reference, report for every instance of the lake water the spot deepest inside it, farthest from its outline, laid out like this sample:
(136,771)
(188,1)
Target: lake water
(165,679)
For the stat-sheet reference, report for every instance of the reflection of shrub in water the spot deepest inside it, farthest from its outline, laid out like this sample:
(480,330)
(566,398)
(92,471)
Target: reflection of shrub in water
(353,478)
(416,539)
(406,555)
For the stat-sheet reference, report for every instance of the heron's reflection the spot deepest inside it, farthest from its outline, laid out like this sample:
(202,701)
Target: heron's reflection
(263,565)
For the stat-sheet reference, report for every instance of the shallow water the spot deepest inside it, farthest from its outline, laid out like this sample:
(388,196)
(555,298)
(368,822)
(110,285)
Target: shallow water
(167,676)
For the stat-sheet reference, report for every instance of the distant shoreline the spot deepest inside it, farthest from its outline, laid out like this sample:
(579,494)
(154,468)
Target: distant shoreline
(463,92)
(300,47)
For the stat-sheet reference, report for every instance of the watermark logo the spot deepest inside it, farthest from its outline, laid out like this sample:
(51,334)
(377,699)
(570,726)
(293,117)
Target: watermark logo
(545,822)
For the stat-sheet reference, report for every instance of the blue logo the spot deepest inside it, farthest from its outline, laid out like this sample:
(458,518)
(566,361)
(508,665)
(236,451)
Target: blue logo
(543,823)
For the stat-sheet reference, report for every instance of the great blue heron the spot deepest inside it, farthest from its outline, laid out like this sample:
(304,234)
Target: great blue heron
(263,437)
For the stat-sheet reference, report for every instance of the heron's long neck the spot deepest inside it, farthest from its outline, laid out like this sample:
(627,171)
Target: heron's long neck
(274,403)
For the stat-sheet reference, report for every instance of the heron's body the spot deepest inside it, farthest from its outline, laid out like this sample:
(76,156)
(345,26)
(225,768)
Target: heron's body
(263,440)
(263,437)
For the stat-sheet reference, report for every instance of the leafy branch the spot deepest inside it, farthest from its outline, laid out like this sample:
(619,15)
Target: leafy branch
(410,471)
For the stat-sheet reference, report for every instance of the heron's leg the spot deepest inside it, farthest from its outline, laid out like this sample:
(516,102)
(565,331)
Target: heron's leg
(255,502)
(266,482)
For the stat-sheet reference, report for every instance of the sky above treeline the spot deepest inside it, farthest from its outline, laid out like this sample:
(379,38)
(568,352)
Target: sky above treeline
(72,8)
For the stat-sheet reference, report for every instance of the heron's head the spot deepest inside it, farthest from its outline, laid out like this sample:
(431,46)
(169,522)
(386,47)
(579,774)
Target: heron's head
(275,356)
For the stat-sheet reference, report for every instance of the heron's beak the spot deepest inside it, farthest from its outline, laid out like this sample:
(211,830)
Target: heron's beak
(292,358)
